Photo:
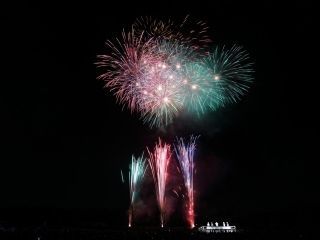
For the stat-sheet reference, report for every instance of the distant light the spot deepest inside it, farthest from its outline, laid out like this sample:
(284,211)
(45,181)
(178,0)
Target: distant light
(185,81)
(194,87)
(216,77)
(159,88)
(166,99)
(178,66)
(170,76)
(164,66)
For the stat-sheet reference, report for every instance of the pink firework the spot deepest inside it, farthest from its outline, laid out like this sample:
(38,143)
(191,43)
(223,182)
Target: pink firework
(185,156)
(159,160)
(145,66)
(146,75)
(124,66)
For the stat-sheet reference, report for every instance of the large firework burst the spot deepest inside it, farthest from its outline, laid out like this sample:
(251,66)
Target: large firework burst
(159,69)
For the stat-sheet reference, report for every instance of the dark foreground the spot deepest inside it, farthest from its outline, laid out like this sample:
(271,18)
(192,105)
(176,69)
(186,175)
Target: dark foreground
(58,224)
(65,233)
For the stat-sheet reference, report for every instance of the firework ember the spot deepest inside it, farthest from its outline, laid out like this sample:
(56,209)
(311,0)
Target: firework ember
(185,156)
(159,160)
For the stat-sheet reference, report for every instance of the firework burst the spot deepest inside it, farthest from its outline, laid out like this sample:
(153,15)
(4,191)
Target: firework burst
(124,66)
(185,156)
(161,85)
(197,87)
(137,170)
(161,68)
(230,71)
(159,160)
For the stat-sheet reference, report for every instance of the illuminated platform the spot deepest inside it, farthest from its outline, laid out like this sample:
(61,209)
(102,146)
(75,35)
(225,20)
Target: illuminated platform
(216,228)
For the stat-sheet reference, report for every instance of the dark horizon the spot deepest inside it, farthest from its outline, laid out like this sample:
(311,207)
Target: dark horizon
(66,138)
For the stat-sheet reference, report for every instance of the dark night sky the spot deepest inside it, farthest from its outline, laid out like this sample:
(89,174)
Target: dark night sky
(65,139)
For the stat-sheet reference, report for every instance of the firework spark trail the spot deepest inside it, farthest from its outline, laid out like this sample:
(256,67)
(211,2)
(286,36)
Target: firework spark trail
(197,88)
(159,160)
(122,178)
(189,31)
(232,70)
(137,171)
(185,156)
(123,66)
(159,69)
(161,84)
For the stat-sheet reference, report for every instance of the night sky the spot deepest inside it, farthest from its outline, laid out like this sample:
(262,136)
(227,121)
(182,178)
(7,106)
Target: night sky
(64,138)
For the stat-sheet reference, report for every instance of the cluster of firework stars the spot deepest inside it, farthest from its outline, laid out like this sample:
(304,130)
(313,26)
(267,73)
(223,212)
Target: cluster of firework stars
(161,69)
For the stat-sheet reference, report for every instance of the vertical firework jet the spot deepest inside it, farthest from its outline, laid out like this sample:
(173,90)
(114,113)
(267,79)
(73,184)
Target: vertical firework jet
(137,169)
(159,160)
(185,157)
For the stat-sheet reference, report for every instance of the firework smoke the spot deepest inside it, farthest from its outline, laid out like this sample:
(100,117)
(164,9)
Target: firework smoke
(159,160)
(137,170)
(185,156)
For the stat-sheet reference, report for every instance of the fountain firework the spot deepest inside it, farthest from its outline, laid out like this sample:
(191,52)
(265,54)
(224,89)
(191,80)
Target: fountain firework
(137,170)
(185,156)
(159,160)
